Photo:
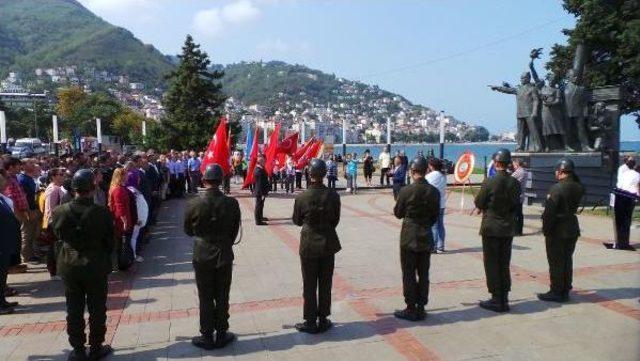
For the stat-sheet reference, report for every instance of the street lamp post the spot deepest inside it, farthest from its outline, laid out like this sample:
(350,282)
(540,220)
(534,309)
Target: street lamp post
(99,133)
(3,132)
(442,118)
(54,120)
(389,133)
(344,137)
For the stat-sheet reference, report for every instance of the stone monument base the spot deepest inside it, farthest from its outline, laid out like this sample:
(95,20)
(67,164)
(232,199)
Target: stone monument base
(595,170)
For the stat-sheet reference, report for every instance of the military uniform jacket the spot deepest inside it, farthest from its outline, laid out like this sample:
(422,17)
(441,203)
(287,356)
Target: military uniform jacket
(498,198)
(317,210)
(418,206)
(85,237)
(559,217)
(213,219)
(262,182)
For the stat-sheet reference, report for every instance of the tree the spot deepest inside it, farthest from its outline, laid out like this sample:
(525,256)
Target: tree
(79,110)
(194,100)
(128,126)
(68,101)
(476,134)
(611,30)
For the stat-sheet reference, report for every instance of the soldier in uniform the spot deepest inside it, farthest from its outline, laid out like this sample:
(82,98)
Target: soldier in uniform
(498,200)
(317,210)
(561,230)
(418,205)
(213,219)
(261,190)
(85,234)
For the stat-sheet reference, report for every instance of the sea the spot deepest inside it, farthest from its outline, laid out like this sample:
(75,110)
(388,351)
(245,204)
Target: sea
(452,151)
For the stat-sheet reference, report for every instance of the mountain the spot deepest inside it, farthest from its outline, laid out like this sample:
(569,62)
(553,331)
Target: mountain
(275,83)
(63,34)
(51,33)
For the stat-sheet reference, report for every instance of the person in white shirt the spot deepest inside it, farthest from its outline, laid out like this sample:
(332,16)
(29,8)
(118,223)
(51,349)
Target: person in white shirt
(436,178)
(627,192)
(385,165)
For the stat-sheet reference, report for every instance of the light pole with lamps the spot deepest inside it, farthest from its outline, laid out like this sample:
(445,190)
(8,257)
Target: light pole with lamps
(442,119)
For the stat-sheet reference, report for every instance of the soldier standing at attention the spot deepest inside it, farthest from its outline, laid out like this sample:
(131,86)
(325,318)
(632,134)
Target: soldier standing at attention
(561,230)
(85,234)
(213,219)
(498,200)
(317,210)
(418,206)
(261,190)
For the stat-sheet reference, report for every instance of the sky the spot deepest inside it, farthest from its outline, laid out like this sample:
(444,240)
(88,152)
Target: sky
(438,53)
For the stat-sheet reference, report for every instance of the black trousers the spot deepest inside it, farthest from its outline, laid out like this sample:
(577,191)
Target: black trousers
(396,190)
(623,210)
(519,219)
(257,211)
(332,182)
(213,293)
(496,252)
(560,258)
(317,275)
(90,290)
(4,269)
(298,180)
(415,277)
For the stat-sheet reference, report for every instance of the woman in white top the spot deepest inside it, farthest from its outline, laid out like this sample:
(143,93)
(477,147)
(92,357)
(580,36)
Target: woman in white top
(436,178)
(626,194)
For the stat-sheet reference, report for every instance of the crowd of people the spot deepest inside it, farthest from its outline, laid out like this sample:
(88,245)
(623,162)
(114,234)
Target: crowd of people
(85,216)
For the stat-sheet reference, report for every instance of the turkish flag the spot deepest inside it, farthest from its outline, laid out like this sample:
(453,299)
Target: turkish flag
(300,152)
(253,159)
(272,150)
(218,150)
(311,153)
(289,145)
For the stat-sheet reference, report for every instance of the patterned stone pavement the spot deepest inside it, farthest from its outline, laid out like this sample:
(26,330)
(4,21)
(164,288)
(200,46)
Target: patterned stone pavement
(153,308)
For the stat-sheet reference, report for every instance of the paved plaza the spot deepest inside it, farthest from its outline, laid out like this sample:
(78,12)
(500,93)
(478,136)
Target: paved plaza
(153,309)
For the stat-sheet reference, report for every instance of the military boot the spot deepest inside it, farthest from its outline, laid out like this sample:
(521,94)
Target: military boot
(409,314)
(421,313)
(79,354)
(495,304)
(552,296)
(307,327)
(204,342)
(324,324)
(100,352)
(223,338)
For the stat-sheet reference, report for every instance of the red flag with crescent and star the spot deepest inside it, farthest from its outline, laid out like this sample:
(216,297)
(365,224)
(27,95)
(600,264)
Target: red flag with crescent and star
(300,152)
(289,145)
(272,150)
(312,152)
(218,150)
(253,159)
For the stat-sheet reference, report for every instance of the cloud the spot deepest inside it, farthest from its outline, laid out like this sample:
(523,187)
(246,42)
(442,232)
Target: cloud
(119,11)
(240,11)
(279,47)
(212,22)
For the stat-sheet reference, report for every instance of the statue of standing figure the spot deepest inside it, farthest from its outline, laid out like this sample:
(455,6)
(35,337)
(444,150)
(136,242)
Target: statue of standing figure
(527,100)
(553,120)
(576,98)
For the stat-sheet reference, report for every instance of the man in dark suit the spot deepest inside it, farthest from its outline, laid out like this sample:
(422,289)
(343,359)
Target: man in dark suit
(261,190)
(9,243)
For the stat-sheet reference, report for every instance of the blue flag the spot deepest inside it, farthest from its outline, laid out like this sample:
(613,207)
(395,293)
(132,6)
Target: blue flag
(247,148)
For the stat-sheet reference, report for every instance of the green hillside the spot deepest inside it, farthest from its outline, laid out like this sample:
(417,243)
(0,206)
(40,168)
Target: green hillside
(48,33)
